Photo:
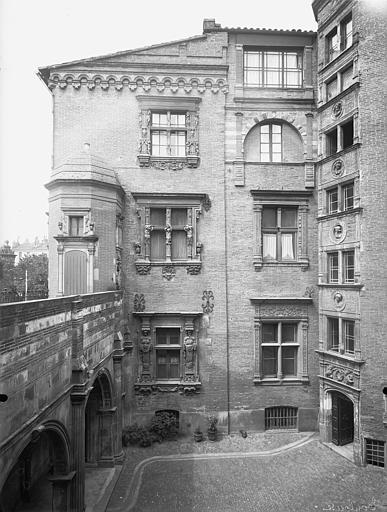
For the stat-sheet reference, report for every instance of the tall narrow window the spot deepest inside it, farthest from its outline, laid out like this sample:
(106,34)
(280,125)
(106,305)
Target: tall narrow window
(279,229)
(76,225)
(349,336)
(331,142)
(333,267)
(331,89)
(348,267)
(168,134)
(346,33)
(348,196)
(346,77)
(332,45)
(168,353)
(347,134)
(333,334)
(333,200)
(271,143)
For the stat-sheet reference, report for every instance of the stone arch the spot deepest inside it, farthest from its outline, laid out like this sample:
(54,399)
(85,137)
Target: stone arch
(340,426)
(100,421)
(293,138)
(42,462)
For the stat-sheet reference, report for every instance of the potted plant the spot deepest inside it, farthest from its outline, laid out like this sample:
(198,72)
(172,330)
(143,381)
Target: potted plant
(212,430)
(198,435)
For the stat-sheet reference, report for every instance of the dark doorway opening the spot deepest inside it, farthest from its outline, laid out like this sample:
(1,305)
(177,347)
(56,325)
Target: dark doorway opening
(342,419)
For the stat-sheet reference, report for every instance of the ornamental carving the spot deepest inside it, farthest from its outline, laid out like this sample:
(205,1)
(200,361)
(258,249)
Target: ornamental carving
(338,300)
(172,165)
(146,83)
(338,233)
(89,225)
(147,232)
(340,374)
(190,346)
(168,272)
(193,269)
(270,311)
(309,291)
(206,202)
(168,234)
(208,301)
(143,268)
(137,248)
(337,109)
(189,230)
(139,302)
(145,348)
(338,168)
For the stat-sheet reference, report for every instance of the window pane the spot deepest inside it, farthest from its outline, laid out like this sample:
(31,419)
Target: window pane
(269,333)
(331,142)
(347,134)
(288,217)
(167,336)
(159,143)
(331,89)
(348,196)
(333,45)
(272,60)
(157,246)
(265,128)
(159,119)
(346,78)
(333,334)
(272,78)
(161,364)
(333,201)
(333,267)
(269,217)
(269,361)
(179,245)
(157,217)
(253,77)
(253,59)
(178,143)
(75,225)
(269,246)
(349,266)
(349,336)
(291,60)
(289,361)
(179,216)
(178,119)
(287,241)
(288,333)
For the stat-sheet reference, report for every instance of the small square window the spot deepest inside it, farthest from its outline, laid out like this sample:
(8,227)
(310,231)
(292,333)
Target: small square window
(375,452)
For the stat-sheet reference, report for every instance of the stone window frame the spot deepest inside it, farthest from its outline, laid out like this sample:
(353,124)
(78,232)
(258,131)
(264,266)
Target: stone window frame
(189,380)
(284,199)
(338,31)
(340,189)
(285,310)
(341,267)
(194,203)
(190,106)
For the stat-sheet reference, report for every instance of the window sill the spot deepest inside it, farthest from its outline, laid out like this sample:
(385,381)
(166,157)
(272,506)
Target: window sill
(281,382)
(345,286)
(344,213)
(334,156)
(169,162)
(183,387)
(338,355)
(192,267)
(338,97)
(259,264)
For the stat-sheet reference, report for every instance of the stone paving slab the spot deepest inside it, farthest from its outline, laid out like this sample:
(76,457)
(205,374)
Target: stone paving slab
(307,477)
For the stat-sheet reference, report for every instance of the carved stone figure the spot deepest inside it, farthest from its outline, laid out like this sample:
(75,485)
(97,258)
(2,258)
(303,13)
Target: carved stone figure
(145,349)
(168,234)
(189,352)
(189,230)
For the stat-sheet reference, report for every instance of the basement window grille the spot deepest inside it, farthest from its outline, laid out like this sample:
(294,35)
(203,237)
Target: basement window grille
(280,418)
(375,452)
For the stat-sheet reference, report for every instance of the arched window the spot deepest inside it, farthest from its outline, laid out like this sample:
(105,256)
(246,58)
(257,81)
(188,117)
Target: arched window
(274,142)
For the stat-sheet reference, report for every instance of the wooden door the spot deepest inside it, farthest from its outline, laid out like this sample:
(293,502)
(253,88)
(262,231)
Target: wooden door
(342,419)
(75,273)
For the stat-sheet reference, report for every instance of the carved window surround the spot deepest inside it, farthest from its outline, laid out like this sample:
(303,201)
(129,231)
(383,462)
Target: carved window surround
(340,371)
(188,381)
(189,106)
(285,310)
(281,199)
(194,205)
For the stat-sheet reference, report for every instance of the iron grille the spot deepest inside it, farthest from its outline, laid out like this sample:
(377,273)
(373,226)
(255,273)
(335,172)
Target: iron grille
(280,418)
(375,452)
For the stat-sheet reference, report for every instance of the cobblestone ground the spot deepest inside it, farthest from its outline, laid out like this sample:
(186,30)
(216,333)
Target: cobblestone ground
(309,477)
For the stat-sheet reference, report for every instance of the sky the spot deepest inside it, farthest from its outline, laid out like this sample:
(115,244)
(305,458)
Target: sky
(36,33)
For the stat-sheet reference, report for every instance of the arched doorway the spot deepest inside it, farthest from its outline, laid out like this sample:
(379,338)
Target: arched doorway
(100,423)
(40,477)
(342,419)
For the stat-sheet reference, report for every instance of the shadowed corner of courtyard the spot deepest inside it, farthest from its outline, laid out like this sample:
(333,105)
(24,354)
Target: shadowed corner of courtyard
(268,472)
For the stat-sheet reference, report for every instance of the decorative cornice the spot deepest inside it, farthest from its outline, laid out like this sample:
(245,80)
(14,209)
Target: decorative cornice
(141,83)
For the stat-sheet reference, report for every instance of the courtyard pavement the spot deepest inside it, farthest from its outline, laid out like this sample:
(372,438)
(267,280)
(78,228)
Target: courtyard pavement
(279,472)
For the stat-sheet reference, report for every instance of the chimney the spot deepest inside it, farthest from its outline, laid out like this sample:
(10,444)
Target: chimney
(209,25)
